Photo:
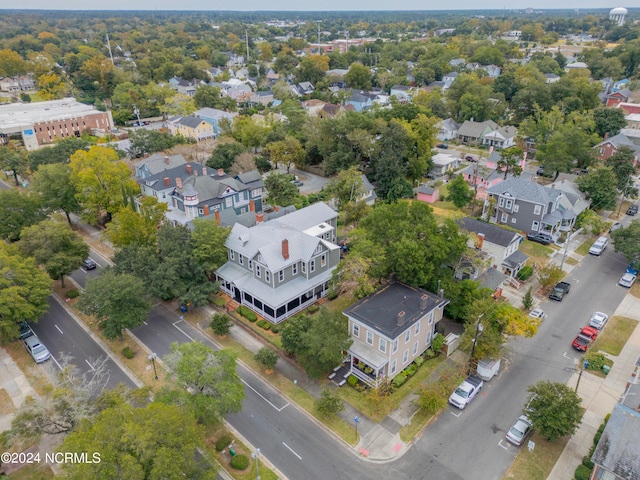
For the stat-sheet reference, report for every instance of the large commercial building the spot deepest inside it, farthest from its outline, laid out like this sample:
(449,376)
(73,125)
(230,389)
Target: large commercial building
(41,123)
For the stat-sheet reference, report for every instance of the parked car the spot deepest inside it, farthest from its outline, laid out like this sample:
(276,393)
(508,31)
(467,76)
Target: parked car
(599,246)
(559,291)
(615,226)
(538,313)
(598,320)
(584,338)
(520,430)
(471,158)
(543,173)
(539,238)
(89,264)
(36,349)
(25,330)
(632,210)
(627,280)
(297,183)
(442,145)
(466,392)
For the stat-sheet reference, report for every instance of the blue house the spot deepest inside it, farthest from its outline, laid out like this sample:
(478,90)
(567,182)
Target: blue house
(214,116)
(361,101)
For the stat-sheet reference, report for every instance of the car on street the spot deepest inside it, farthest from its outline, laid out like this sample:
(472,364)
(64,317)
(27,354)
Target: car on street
(25,330)
(471,158)
(598,320)
(520,431)
(599,246)
(539,238)
(36,349)
(632,210)
(584,338)
(297,183)
(615,226)
(627,280)
(442,145)
(538,313)
(89,264)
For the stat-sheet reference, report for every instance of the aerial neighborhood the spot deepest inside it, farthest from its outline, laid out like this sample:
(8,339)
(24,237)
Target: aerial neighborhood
(320,244)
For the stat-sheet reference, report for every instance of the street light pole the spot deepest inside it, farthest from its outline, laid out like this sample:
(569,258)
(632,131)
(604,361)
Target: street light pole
(475,340)
(152,357)
(255,456)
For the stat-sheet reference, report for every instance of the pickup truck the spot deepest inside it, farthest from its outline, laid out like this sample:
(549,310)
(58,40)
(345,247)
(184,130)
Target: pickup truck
(466,392)
(559,291)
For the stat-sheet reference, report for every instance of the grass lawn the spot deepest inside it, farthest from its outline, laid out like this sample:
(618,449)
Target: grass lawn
(535,465)
(584,248)
(571,261)
(27,366)
(536,250)
(635,289)
(32,472)
(6,405)
(615,335)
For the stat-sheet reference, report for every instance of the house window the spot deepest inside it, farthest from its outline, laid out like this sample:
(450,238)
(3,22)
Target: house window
(415,349)
(431,317)
(319,249)
(417,329)
(281,276)
(241,259)
(428,341)
(294,269)
(513,220)
(304,267)
(229,202)
(258,271)
(356,330)
(323,260)
(394,366)
(504,218)
(395,345)
(405,356)
(382,344)
(267,275)
(509,204)
(407,336)
(250,264)
(535,226)
(537,209)
(312,266)
(501,202)
(369,337)
(232,255)
(516,207)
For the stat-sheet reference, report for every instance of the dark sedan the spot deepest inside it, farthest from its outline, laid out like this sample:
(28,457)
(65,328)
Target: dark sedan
(539,238)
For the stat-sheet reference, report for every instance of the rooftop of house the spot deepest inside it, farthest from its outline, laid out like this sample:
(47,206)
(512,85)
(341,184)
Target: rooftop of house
(380,309)
(523,189)
(617,450)
(492,233)
(190,121)
(157,162)
(475,129)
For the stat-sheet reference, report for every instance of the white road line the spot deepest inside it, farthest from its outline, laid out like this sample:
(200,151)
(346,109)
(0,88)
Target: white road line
(456,414)
(90,366)
(54,359)
(263,397)
(503,446)
(185,333)
(145,323)
(291,450)
(566,356)
(58,328)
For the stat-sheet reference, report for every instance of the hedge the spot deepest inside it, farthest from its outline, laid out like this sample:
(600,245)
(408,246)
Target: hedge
(352,380)
(240,462)
(399,380)
(73,293)
(223,442)
(247,313)
(525,272)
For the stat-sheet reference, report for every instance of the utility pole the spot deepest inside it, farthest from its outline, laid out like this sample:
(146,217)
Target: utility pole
(109,47)
(346,48)
(246,38)
(319,49)
(566,248)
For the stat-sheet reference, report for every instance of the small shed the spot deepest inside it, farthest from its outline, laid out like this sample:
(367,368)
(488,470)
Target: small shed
(428,194)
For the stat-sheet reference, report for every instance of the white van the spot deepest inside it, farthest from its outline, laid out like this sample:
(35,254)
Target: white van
(598,247)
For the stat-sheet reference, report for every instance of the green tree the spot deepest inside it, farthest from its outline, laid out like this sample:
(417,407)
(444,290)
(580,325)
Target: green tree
(55,246)
(554,409)
(157,441)
(208,240)
(267,357)
(12,64)
(151,141)
(60,152)
(117,301)
(18,210)
(14,161)
(600,185)
(627,241)
(220,324)
(24,290)
(225,154)
(53,184)
(281,190)
(329,403)
(210,376)
(292,334)
(509,162)
(130,227)
(347,187)
(358,77)
(609,121)
(288,152)
(313,68)
(460,193)
(99,176)
(623,164)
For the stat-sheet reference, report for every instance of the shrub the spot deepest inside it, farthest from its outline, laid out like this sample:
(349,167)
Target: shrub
(73,293)
(275,328)
(261,323)
(329,403)
(527,299)
(582,473)
(267,357)
(586,461)
(220,324)
(332,295)
(437,343)
(525,272)
(247,313)
(431,401)
(596,361)
(219,301)
(128,352)
(352,380)
(313,308)
(418,361)
(266,325)
(223,442)
(240,462)
(410,370)
(399,380)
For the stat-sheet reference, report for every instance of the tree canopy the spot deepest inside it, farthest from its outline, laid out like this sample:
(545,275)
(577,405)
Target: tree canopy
(627,241)
(554,409)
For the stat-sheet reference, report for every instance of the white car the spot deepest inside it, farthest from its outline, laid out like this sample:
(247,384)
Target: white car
(538,313)
(627,280)
(520,430)
(598,320)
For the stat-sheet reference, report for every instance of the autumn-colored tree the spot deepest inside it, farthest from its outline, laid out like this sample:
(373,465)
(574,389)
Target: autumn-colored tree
(130,227)
(288,152)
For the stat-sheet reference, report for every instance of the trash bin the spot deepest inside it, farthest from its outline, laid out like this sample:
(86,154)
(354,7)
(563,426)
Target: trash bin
(606,369)
(183,308)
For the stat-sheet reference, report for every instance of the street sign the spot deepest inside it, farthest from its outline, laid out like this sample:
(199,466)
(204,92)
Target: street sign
(531,445)
(356,419)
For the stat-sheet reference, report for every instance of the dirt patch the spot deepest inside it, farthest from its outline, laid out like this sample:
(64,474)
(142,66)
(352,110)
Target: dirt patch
(6,405)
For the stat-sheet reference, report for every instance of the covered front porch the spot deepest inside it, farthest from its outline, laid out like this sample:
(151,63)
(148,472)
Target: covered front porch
(366,363)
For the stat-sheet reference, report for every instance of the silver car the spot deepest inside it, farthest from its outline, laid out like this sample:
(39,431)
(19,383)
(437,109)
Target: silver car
(36,349)
(520,430)
(598,320)
(627,280)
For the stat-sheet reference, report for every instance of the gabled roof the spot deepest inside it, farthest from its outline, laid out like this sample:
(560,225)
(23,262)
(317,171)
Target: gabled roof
(527,190)
(448,124)
(476,129)
(617,450)
(191,121)
(157,162)
(492,233)
(248,177)
(622,140)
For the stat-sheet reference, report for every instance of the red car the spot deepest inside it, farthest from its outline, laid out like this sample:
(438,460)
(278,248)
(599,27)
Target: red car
(584,338)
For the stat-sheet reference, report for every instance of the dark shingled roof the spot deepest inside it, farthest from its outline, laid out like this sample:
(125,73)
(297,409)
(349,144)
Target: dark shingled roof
(618,448)
(492,233)
(380,309)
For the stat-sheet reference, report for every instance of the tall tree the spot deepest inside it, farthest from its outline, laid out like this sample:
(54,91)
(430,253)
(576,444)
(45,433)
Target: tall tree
(55,246)
(288,152)
(358,77)
(554,409)
(627,241)
(130,227)
(609,121)
(210,376)
(623,164)
(99,176)
(18,210)
(460,193)
(14,161)
(157,441)
(347,187)
(600,185)
(313,68)
(53,184)
(509,162)
(24,290)
(208,240)
(118,301)
(281,191)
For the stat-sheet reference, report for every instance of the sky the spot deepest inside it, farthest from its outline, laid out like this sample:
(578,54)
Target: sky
(297,5)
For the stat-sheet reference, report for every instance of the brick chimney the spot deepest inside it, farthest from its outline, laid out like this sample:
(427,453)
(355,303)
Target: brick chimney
(179,182)
(167,182)
(204,171)
(206,210)
(189,169)
(221,172)
(285,249)
(401,318)
(480,241)
(423,301)
(166,160)
(259,217)
(252,206)
(275,208)
(217,214)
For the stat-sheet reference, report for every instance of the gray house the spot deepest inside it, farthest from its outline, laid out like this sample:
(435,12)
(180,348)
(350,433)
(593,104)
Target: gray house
(279,267)
(157,163)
